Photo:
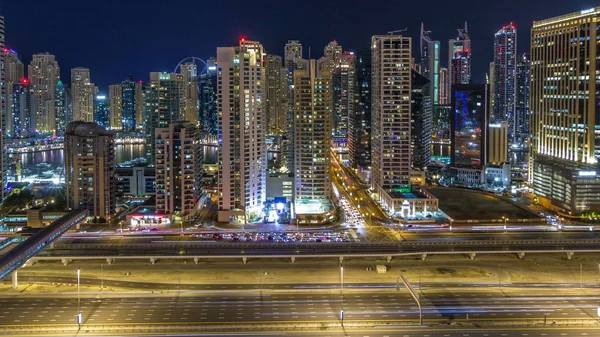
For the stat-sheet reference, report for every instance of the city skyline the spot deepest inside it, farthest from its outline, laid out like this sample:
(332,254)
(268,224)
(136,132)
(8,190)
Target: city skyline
(133,51)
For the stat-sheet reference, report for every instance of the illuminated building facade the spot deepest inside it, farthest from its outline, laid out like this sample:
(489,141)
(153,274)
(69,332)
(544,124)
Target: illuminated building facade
(312,107)
(522,101)
(208,116)
(20,122)
(505,77)
(293,61)
(82,94)
(390,114)
(444,87)
(565,119)
(128,105)
(468,133)
(430,64)
(275,95)
(343,80)
(115,96)
(89,168)
(359,139)
(421,120)
(163,98)
(459,60)
(242,131)
(102,111)
(178,168)
(62,108)
(44,74)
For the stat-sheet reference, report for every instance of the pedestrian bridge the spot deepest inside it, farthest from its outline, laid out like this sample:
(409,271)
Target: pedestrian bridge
(15,258)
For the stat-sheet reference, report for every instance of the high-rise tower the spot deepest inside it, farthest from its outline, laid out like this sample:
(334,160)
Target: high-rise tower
(89,168)
(430,64)
(82,94)
(522,100)
(178,168)
(505,76)
(312,107)
(44,74)
(115,97)
(243,152)
(459,58)
(275,88)
(164,102)
(128,105)
(390,114)
(564,111)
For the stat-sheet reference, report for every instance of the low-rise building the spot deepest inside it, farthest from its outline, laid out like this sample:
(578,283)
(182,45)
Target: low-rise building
(408,204)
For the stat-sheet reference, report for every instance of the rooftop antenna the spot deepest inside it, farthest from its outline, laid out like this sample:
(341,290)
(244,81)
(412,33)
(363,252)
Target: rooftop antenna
(309,52)
(397,31)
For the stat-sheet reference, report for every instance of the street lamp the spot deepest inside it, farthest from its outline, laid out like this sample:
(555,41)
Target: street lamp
(78,298)
(504,218)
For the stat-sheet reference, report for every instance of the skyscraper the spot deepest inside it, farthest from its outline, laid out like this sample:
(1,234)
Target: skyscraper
(359,138)
(89,168)
(505,76)
(115,97)
(468,133)
(15,80)
(293,60)
(243,153)
(102,110)
(163,99)
(312,107)
(522,100)
(128,104)
(564,111)
(444,87)
(430,64)
(3,108)
(275,85)
(178,168)
(62,108)
(44,74)
(421,120)
(459,59)
(390,115)
(343,80)
(20,121)
(82,94)
(189,92)
(468,125)
(208,116)
(333,53)
(491,81)
(139,105)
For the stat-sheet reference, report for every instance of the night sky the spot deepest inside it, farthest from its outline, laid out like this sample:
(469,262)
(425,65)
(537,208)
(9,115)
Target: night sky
(115,38)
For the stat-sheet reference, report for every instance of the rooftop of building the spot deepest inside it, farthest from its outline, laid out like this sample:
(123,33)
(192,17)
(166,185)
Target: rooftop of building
(558,19)
(83,129)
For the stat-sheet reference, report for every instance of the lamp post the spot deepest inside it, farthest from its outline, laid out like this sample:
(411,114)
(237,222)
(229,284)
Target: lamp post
(504,218)
(78,298)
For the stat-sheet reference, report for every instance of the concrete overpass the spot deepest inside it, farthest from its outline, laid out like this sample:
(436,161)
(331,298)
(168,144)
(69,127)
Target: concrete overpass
(17,257)
(197,251)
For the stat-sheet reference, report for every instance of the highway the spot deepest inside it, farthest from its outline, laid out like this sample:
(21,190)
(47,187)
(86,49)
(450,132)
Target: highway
(378,331)
(237,307)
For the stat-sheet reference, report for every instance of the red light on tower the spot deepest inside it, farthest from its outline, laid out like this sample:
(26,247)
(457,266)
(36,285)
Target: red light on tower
(24,81)
(242,39)
(5,50)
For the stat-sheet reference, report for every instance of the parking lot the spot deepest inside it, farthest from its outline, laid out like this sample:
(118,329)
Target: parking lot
(463,204)
(275,237)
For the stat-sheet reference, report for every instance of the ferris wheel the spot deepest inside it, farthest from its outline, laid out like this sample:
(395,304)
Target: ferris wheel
(202,66)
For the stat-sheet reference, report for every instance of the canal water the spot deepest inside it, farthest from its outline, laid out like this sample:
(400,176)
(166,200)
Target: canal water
(124,152)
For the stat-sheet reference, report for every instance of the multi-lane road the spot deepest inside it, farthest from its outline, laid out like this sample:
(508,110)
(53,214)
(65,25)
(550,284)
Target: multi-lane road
(471,308)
